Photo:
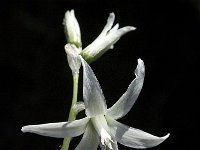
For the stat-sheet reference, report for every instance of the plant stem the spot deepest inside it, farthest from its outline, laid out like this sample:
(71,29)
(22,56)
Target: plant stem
(72,114)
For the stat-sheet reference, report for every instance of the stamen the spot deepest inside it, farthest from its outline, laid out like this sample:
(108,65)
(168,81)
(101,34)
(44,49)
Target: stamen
(100,124)
(106,138)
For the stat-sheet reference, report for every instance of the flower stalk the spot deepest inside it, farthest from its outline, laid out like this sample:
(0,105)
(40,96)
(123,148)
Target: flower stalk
(72,113)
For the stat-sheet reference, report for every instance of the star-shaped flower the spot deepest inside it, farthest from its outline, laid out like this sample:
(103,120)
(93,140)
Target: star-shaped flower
(100,126)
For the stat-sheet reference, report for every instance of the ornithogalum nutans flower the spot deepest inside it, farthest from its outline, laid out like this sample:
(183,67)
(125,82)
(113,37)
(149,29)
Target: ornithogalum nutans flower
(100,126)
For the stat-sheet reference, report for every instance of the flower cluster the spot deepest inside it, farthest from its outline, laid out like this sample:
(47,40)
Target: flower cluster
(100,126)
(105,41)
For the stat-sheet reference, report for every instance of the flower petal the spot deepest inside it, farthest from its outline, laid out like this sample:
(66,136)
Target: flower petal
(92,94)
(114,35)
(108,25)
(103,34)
(125,103)
(105,41)
(78,107)
(132,137)
(89,140)
(58,130)
(115,28)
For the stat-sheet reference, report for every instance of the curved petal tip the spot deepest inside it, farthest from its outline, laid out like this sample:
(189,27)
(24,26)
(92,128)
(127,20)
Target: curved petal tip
(166,136)
(162,139)
(140,66)
(112,14)
(132,28)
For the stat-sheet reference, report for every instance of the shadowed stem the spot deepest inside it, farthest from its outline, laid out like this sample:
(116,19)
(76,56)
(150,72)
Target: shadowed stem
(72,114)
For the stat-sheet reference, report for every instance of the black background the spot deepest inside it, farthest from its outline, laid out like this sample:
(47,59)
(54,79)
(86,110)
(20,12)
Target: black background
(37,83)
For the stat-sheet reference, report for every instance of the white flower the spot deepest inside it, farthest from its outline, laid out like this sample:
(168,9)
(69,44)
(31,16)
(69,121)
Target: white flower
(100,126)
(72,29)
(105,40)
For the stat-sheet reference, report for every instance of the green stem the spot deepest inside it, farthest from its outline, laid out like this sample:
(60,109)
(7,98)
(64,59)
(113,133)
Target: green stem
(72,114)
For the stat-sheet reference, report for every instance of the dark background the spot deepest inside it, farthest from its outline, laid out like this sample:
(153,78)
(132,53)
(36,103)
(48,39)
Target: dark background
(37,83)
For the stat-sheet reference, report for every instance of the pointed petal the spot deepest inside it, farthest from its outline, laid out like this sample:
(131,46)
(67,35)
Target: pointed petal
(89,140)
(132,137)
(109,24)
(92,94)
(93,50)
(58,130)
(125,103)
(103,43)
(114,35)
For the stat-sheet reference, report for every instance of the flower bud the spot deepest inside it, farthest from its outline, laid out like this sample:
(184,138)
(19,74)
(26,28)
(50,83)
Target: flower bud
(72,29)
(73,57)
